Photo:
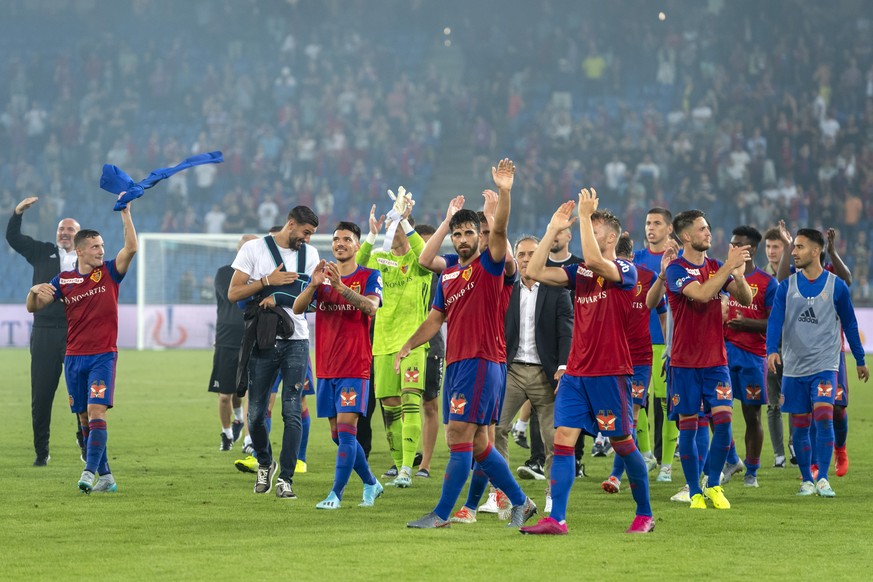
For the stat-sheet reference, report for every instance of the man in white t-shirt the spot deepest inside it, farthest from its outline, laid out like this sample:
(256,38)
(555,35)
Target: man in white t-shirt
(257,276)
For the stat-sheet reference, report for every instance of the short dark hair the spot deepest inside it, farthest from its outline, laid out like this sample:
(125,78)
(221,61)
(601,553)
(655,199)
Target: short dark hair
(425,229)
(608,218)
(685,219)
(812,234)
(482,218)
(773,234)
(275,229)
(82,235)
(464,216)
(668,216)
(303,215)
(526,237)
(750,232)
(625,246)
(350,226)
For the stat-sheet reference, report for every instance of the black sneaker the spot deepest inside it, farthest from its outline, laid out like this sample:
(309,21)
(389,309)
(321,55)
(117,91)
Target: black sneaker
(226,443)
(793,456)
(390,473)
(423,473)
(237,428)
(580,469)
(41,460)
(83,445)
(283,489)
(520,438)
(531,470)
(264,484)
(598,450)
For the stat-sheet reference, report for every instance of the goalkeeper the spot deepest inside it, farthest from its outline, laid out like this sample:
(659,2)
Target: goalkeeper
(405,288)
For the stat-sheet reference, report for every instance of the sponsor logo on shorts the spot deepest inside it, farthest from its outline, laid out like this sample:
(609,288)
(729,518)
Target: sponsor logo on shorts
(675,400)
(458,403)
(753,392)
(96,275)
(411,375)
(605,420)
(348,397)
(98,389)
(638,390)
(825,389)
(723,391)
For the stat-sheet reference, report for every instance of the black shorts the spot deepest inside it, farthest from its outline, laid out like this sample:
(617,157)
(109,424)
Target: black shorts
(433,377)
(224,365)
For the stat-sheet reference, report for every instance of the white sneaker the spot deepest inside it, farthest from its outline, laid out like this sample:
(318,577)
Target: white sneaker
(665,475)
(730,469)
(807,488)
(651,462)
(683,496)
(490,506)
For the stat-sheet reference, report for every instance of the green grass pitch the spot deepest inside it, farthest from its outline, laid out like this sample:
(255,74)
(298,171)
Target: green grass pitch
(184,512)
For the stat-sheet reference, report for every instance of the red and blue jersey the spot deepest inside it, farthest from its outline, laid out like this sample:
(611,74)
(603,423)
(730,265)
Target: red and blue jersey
(600,326)
(698,338)
(471,296)
(763,288)
(91,303)
(342,331)
(639,339)
(652,261)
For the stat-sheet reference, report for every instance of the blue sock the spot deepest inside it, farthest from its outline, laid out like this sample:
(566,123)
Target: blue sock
(752,466)
(457,471)
(497,469)
(96,444)
(702,441)
(362,467)
(719,446)
(477,487)
(812,438)
(841,426)
(733,458)
(637,474)
(345,457)
(304,436)
(688,455)
(563,476)
(824,443)
(802,449)
(618,460)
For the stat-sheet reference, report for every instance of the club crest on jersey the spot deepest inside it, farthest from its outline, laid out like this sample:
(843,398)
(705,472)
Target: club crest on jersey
(675,400)
(841,393)
(96,275)
(754,289)
(458,403)
(753,392)
(638,289)
(411,375)
(355,286)
(348,397)
(723,391)
(605,421)
(98,389)
(600,281)
(638,390)
(467,273)
(404,269)
(825,389)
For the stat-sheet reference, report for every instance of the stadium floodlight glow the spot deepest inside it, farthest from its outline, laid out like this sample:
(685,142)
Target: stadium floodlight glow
(447,31)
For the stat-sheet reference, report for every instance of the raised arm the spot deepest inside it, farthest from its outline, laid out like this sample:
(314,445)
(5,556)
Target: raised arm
(363,255)
(536,267)
(840,268)
(365,304)
(784,269)
(21,243)
(503,176)
(127,252)
(430,257)
(594,259)
(659,284)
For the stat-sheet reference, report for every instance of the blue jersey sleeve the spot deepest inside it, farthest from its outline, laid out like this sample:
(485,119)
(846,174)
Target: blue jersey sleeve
(777,318)
(56,283)
(113,272)
(661,307)
(571,276)
(628,273)
(451,260)
(491,266)
(677,277)
(770,295)
(374,285)
(439,300)
(843,304)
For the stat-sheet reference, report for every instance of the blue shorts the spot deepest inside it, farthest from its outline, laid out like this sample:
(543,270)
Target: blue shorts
(472,391)
(336,395)
(595,404)
(308,383)
(842,397)
(691,387)
(640,385)
(90,380)
(801,393)
(748,375)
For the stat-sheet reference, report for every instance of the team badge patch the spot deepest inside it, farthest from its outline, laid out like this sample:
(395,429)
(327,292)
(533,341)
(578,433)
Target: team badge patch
(723,391)
(467,273)
(98,389)
(638,390)
(638,289)
(348,397)
(754,289)
(840,393)
(355,286)
(675,400)
(411,375)
(605,421)
(96,275)
(753,392)
(404,269)
(72,402)
(458,403)
(825,389)
(600,281)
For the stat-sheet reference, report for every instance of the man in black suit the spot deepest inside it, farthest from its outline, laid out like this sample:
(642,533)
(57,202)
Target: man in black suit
(539,328)
(48,339)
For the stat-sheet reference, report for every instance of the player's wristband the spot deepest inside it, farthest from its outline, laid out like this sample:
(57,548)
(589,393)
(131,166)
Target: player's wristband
(371,238)
(662,277)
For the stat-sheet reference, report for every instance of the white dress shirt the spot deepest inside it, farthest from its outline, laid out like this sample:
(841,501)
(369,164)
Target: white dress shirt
(527,345)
